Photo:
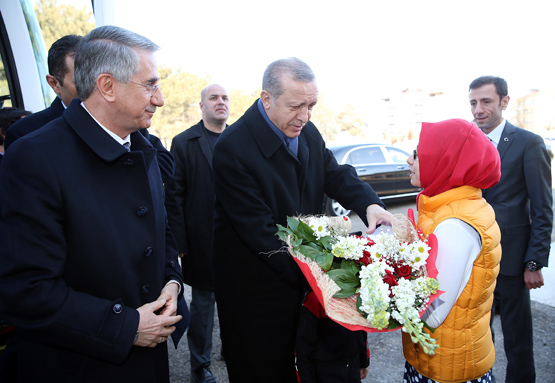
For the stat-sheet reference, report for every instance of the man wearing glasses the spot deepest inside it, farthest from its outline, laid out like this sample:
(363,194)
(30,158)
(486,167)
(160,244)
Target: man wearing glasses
(90,274)
(61,58)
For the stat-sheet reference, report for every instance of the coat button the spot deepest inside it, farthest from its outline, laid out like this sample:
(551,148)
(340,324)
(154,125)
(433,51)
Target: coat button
(128,162)
(142,211)
(145,289)
(117,308)
(148,251)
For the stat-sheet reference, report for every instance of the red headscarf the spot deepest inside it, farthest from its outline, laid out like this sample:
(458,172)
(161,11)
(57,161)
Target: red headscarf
(454,153)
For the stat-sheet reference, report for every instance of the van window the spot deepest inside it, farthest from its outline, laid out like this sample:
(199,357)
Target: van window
(39,49)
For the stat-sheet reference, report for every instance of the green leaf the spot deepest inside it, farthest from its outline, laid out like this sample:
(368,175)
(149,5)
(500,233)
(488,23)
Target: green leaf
(327,242)
(305,232)
(325,260)
(350,266)
(284,233)
(292,223)
(432,330)
(309,252)
(346,280)
(393,324)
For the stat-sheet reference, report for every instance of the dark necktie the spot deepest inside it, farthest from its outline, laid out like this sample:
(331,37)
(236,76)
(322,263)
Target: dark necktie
(127,146)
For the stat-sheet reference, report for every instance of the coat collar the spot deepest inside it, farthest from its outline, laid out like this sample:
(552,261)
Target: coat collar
(57,108)
(203,141)
(96,138)
(267,140)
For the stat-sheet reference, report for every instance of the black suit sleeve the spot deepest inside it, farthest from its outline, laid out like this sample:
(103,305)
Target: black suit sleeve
(537,175)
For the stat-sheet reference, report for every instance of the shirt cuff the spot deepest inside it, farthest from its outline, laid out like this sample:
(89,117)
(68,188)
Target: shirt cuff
(177,283)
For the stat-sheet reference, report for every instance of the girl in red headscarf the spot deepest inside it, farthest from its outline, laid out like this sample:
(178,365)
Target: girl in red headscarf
(453,162)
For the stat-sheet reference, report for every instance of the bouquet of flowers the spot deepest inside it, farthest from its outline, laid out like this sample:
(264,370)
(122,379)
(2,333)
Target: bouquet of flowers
(377,283)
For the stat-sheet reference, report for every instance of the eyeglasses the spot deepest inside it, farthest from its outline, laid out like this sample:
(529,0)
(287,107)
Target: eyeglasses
(415,154)
(151,88)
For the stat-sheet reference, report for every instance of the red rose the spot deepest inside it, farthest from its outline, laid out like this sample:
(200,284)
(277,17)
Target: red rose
(390,279)
(365,260)
(403,271)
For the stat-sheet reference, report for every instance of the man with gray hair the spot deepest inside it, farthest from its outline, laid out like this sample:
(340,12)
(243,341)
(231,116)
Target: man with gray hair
(271,164)
(90,274)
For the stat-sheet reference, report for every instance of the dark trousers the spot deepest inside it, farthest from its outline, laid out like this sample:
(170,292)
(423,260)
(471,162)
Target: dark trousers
(513,300)
(199,334)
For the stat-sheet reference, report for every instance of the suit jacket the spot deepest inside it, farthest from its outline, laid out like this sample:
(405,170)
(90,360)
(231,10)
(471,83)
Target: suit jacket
(84,243)
(33,122)
(523,200)
(190,204)
(259,182)
(56,109)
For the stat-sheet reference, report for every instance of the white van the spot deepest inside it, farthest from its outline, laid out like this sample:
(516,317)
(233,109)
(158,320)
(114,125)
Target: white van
(23,67)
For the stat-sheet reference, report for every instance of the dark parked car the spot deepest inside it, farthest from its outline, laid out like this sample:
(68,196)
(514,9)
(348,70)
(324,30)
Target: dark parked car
(384,167)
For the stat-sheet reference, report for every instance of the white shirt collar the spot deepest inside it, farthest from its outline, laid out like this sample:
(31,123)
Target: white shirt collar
(118,139)
(495,134)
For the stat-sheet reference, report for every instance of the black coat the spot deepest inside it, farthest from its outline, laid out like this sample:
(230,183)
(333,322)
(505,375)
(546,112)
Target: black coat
(84,243)
(522,200)
(190,204)
(259,289)
(326,351)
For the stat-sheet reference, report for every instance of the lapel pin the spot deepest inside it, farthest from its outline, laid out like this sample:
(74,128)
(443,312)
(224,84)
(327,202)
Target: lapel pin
(506,139)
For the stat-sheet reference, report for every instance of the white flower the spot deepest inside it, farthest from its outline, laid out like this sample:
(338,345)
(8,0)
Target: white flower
(350,247)
(416,254)
(374,294)
(319,225)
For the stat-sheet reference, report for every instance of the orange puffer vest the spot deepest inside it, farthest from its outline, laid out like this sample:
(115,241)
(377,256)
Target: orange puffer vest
(465,349)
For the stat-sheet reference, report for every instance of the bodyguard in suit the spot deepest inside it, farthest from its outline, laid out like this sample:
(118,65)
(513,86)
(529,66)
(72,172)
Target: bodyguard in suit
(272,163)
(61,58)
(190,206)
(90,274)
(522,201)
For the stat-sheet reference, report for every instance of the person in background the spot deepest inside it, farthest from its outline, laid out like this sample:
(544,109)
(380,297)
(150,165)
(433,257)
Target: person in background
(8,116)
(190,206)
(61,59)
(454,161)
(90,275)
(270,164)
(522,201)
(327,352)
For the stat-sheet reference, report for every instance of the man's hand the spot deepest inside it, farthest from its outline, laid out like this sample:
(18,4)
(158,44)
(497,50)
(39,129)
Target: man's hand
(377,215)
(154,329)
(169,294)
(364,372)
(533,279)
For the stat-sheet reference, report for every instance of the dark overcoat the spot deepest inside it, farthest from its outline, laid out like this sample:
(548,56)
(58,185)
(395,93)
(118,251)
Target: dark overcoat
(190,204)
(259,182)
(85,242)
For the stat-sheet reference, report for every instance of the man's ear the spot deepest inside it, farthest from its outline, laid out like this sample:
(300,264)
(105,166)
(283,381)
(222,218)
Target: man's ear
(106,84)
(54,83)
(266,99)
(505,102)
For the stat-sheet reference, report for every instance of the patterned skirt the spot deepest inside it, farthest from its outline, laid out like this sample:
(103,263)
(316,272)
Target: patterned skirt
(412,376)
